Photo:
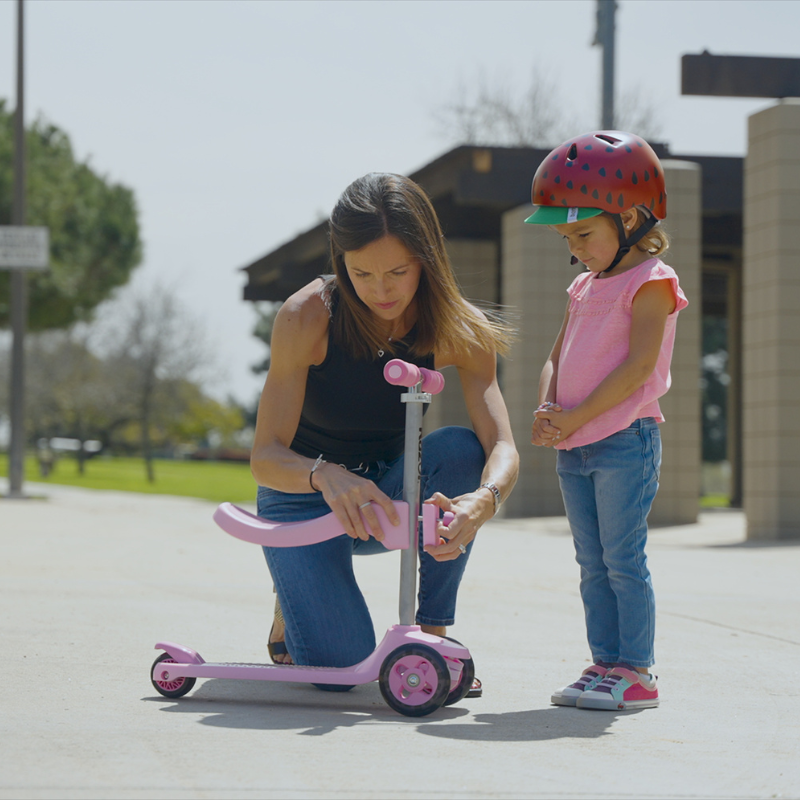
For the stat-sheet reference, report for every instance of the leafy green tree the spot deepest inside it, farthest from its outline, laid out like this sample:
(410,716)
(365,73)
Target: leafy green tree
(94,227)
(266,311)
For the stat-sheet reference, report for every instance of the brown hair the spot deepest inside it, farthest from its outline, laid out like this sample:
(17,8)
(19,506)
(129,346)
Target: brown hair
(382,204)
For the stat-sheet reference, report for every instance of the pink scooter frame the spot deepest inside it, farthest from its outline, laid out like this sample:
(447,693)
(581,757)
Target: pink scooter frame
(418,672)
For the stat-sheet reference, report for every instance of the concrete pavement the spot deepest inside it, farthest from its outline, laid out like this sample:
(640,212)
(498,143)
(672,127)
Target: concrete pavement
(91,580)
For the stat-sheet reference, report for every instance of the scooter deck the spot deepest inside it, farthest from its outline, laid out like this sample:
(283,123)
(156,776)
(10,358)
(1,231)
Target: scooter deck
(189,664)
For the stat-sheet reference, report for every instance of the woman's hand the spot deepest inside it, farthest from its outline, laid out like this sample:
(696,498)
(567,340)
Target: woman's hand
(352,498)
(544,433)
(471,511)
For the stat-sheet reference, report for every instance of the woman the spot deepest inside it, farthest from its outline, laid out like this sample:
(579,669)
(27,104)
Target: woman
(330,429)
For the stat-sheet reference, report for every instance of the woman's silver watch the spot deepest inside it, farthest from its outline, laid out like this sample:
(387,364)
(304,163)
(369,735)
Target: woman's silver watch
(496,496)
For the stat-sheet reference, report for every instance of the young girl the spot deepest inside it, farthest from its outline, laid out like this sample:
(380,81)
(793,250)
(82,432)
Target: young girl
(598,392)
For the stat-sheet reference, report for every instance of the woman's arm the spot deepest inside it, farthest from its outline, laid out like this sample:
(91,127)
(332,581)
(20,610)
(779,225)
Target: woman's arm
(299,339)
(651,306)
(489,417)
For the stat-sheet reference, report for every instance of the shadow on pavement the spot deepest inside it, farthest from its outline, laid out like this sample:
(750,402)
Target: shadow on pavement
(310,712)
(756,544)
(535,725)
(264,705)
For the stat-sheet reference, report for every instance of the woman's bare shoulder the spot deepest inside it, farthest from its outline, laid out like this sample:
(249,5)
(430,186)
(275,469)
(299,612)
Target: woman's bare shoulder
(302,321)
(306,307)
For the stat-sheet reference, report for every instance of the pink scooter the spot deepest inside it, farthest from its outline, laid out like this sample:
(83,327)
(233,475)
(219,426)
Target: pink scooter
(418,672)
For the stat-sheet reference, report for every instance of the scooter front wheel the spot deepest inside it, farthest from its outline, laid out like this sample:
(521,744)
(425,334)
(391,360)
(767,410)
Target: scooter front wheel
(414,680)
(172,688)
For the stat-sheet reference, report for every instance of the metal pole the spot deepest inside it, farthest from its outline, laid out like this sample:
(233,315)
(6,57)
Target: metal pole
(411,473)
(19,282)
(606,34)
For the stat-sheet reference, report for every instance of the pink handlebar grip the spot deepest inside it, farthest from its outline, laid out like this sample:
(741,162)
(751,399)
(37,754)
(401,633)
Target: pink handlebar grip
(432,381)
(401,373)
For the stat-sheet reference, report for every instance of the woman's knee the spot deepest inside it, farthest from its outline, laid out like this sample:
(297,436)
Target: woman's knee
(454,445)
(452,461)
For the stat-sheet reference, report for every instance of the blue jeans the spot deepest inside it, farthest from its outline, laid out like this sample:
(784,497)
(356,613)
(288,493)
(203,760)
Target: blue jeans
(608,489)
(327,620)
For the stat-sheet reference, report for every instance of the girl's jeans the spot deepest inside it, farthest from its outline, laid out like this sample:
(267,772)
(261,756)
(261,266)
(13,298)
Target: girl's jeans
(327,620)
(608,489)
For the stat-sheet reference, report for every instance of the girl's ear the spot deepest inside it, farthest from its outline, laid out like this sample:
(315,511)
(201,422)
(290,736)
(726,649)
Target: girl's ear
(630,218)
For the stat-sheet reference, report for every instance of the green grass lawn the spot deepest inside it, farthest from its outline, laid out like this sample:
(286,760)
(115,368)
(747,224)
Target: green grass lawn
(210,480)
(715,501)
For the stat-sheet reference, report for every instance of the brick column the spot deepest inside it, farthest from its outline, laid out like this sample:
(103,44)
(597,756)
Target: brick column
(771,324)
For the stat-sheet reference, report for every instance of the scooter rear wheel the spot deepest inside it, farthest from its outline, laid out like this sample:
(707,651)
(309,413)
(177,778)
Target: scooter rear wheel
(176,687)
(414,680)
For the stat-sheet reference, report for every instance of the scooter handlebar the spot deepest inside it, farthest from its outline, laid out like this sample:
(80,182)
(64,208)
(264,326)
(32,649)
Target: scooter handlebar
(401,373)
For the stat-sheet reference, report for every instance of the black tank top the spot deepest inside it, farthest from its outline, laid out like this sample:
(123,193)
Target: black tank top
(351,415)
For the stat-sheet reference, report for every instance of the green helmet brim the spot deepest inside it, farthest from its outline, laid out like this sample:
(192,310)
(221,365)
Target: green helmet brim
(555,215)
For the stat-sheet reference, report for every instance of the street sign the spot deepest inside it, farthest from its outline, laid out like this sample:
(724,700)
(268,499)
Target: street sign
(24,247)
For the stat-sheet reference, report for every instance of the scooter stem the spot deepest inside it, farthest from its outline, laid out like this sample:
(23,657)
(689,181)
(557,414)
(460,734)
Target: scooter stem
(414,400)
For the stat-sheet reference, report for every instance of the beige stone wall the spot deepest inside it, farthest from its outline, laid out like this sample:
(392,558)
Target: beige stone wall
(678,496)
(476,268)
(771,324)
(536,273)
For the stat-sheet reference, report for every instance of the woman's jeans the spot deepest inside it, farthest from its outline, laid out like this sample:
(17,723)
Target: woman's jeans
(327,620)
(608,489)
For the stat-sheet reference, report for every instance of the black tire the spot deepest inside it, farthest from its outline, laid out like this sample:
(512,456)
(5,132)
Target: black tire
(423,664)
(170,688)
(459,691)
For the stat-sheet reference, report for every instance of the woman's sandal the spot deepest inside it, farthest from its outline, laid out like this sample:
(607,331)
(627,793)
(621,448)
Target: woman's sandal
(277,648)
(477,688)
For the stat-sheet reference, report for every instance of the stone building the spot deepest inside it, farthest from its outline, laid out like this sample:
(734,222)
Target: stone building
(482,196)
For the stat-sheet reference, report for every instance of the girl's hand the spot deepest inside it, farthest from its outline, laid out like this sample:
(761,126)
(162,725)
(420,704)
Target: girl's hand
(471,511)
(565,421)
(544,433)
(351,498)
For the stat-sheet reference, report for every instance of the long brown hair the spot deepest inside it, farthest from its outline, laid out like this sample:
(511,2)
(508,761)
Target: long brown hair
(382,204)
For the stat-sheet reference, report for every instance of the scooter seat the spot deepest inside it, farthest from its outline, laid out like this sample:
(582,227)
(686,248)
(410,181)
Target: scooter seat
(250,528)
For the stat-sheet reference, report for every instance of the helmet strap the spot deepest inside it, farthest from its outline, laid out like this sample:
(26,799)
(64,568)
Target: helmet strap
(627,242)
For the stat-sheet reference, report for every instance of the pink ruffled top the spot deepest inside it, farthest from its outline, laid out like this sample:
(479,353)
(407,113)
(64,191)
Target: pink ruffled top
(596,342)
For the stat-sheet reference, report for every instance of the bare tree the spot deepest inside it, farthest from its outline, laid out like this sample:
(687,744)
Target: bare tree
(489,113)
(153,344)
(69,390)
(638,113)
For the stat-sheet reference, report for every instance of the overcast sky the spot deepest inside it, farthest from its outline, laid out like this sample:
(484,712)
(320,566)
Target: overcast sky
(238,123)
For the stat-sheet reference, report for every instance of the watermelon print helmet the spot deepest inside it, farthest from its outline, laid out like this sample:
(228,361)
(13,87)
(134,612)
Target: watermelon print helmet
(603,171)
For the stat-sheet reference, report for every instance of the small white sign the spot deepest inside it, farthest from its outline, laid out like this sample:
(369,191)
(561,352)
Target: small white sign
(24,247)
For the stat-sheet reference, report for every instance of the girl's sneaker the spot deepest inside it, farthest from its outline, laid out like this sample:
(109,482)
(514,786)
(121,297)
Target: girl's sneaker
(621,689)
(591,676)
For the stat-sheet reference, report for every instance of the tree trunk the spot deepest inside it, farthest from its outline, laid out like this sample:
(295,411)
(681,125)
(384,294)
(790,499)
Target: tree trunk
(147,451)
